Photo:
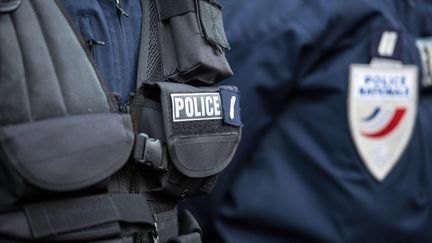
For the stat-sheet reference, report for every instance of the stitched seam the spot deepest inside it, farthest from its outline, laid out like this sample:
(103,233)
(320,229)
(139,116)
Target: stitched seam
(43,33)
(27,95)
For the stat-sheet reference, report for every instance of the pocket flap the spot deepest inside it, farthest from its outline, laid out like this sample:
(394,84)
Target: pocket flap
(202,127)
(70,153)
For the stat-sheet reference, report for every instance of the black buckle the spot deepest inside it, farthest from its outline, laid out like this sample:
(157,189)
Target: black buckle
(149,152)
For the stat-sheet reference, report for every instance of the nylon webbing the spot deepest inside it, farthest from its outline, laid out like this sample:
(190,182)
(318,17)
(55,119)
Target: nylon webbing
(171,8)
(194,237)
(188,223)
(49,218)
(148,68)
(190,231)
(167,223)
(144,45)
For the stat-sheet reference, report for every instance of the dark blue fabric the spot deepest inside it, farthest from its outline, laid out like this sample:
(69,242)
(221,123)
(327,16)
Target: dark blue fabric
(99,20)
(297,176)
(229,109)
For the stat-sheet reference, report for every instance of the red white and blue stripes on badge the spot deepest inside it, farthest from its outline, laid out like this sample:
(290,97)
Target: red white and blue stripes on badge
(381,122)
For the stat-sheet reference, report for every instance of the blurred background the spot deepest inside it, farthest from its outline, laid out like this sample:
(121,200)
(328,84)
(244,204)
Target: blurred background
(298,175)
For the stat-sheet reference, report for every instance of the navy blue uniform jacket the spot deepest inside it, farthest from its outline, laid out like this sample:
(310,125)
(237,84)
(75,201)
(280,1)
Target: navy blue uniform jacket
(100,21)
(297,176)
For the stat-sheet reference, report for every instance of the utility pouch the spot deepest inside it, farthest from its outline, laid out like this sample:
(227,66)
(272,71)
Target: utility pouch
(50,158)
(193,41)
(197,134)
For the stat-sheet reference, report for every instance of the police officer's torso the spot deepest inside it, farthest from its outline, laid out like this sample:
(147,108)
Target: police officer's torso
(299,177)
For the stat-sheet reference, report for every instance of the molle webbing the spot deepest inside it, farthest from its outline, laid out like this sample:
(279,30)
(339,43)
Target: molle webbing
(51,218)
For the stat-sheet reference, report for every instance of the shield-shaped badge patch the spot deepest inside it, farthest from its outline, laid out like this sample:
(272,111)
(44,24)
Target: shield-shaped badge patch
(382,107)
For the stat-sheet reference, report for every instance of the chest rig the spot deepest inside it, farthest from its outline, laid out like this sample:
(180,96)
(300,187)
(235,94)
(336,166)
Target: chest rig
(73,165)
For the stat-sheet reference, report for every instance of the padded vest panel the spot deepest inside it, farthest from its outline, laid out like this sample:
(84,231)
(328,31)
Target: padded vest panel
(44,70)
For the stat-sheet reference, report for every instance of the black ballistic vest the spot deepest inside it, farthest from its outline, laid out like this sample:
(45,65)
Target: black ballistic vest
(75,168)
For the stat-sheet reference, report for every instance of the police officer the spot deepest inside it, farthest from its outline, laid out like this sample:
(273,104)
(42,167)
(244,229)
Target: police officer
(320,164)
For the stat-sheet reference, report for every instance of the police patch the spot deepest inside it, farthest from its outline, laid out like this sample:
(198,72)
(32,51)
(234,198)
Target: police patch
(196,106)
(382,106)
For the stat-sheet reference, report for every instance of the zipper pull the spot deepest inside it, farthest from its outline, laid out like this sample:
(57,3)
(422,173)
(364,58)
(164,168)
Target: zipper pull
(120,11)
(126,106)
(92,42)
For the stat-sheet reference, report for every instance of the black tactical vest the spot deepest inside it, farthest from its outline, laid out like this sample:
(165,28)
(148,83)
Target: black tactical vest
(73,167)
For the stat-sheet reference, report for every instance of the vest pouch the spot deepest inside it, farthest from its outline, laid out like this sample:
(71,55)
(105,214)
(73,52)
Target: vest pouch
(200,130)
(193,41)
(57,157)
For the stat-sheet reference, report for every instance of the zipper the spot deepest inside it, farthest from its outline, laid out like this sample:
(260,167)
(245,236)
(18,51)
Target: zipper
(121,38)
(92,42)
(125,108)
(120,11)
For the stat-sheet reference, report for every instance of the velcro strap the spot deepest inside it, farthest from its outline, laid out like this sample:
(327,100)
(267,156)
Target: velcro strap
(172,8)
(212,24)
(56,217)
